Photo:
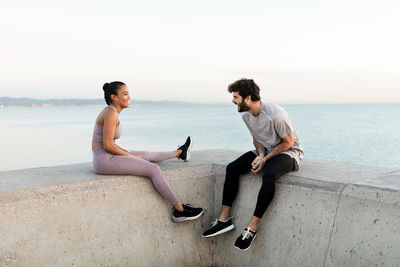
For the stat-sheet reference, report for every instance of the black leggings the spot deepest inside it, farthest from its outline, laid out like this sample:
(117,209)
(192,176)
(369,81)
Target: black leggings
(273,169)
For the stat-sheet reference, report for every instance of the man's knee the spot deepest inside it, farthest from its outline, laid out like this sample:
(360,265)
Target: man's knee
(268,174)
(238,165)
(230,168)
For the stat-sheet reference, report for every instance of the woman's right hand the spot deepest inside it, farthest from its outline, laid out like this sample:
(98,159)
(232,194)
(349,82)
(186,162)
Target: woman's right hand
(136,156)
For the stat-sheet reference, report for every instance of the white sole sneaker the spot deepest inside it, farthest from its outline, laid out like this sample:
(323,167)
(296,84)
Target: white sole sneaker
(249,246)
(188,151)
(227,229)
(182,219)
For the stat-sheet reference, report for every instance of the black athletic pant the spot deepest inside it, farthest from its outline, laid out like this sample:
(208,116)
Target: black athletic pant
(273,169)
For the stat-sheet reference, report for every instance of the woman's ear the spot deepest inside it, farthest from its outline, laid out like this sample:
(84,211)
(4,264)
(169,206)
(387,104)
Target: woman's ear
(114,97)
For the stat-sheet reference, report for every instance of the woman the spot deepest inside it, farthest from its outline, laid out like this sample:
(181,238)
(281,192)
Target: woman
(108,158)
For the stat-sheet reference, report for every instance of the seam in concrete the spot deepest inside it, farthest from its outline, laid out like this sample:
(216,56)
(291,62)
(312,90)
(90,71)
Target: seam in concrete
(197,244)
(334,224)
(330,187)
(213,174)
(373,187)
(226,252)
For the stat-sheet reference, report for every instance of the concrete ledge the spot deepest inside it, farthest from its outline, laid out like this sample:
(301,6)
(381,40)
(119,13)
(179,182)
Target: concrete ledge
(327,214)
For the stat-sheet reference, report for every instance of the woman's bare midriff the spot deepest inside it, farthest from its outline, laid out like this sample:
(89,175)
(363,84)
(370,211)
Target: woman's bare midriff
(96,144)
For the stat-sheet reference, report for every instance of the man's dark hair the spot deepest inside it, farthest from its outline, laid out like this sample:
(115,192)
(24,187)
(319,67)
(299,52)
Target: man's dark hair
(246,87)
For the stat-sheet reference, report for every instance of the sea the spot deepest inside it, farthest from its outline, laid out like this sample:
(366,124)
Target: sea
(42,136)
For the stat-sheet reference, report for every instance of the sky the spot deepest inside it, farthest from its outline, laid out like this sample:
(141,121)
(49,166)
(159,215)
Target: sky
(296,51)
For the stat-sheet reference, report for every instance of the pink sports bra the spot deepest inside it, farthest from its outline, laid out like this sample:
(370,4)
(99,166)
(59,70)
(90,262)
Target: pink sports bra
(98,133)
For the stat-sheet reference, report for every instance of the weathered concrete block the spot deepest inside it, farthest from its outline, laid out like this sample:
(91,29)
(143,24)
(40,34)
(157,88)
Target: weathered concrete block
(327,214)
(367,228)
(295,230)
(113,221)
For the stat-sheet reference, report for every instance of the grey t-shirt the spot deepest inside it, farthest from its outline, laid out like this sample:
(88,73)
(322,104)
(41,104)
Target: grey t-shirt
(270,126)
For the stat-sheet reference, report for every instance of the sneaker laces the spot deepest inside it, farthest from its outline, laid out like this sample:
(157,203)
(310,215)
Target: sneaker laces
(190,206)
(214,223)
(246,234)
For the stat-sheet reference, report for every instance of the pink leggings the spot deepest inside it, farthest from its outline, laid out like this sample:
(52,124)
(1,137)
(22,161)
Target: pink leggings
(106,163)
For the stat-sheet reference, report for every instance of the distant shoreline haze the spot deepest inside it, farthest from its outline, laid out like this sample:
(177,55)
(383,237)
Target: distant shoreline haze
(33,102)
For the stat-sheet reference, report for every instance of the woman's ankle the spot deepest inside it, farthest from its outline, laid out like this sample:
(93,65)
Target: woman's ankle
(178,206)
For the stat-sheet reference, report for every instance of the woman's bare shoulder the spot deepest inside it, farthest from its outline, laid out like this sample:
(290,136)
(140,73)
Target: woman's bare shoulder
(109,113)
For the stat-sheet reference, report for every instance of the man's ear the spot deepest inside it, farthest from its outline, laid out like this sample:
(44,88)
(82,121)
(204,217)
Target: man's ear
(247,99)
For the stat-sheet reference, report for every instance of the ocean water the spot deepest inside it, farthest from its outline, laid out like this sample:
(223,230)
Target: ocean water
(46,136)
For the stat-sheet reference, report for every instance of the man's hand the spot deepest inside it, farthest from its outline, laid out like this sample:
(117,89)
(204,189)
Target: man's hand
(257,164)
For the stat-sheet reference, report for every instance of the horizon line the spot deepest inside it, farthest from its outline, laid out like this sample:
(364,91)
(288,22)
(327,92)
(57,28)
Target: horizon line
(177,101)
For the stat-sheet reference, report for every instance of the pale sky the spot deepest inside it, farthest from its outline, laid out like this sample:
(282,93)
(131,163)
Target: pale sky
(297,51)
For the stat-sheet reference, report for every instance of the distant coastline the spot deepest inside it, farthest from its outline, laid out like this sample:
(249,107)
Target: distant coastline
(53,102)
(57,102)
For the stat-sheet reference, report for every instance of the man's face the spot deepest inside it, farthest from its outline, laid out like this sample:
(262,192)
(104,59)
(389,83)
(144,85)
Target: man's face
(240,102)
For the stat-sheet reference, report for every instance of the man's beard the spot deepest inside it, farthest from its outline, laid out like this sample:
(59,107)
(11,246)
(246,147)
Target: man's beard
(243,106)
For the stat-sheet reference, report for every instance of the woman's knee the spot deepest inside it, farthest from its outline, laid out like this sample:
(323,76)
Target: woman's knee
(154,169)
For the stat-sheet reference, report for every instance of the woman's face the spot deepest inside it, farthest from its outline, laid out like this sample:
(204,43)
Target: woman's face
(123,97)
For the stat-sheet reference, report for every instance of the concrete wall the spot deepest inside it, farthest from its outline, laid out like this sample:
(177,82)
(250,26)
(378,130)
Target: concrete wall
(315,222)
(327,214)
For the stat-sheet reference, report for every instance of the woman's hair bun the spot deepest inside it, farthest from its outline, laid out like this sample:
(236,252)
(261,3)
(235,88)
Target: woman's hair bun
(105,86)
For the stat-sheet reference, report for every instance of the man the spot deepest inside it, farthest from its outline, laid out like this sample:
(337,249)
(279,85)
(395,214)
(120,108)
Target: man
(277,152)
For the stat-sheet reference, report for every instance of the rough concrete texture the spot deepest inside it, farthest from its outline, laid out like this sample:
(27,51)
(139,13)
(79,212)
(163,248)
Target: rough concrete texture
(327,214)
(116,221)
(295,229)
(367,228)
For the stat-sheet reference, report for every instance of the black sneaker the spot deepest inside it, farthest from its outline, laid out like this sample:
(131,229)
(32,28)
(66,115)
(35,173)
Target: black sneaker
(243,242)
(186,149)
(188,213)
(218,227)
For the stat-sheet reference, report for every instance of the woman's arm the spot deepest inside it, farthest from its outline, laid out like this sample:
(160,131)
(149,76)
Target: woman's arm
(109,125)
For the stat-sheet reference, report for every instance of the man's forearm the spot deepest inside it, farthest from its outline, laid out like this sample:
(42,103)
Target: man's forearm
(260,148)
(282,147)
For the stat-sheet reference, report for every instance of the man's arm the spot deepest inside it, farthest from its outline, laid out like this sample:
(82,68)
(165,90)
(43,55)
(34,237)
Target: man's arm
(261,153)
(285,145)
(259,147)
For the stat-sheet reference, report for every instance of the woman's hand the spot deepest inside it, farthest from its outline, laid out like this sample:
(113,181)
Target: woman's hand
(136,156)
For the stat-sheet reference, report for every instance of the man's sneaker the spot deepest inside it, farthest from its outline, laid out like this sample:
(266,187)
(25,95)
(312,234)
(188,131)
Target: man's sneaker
(218,227)
(186,149)
(243,242)
(188,213)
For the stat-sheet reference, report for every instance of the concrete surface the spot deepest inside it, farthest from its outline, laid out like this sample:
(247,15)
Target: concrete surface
(327,214)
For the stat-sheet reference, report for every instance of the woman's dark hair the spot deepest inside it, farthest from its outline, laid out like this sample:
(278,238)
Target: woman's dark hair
(111,89)
(246,87)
